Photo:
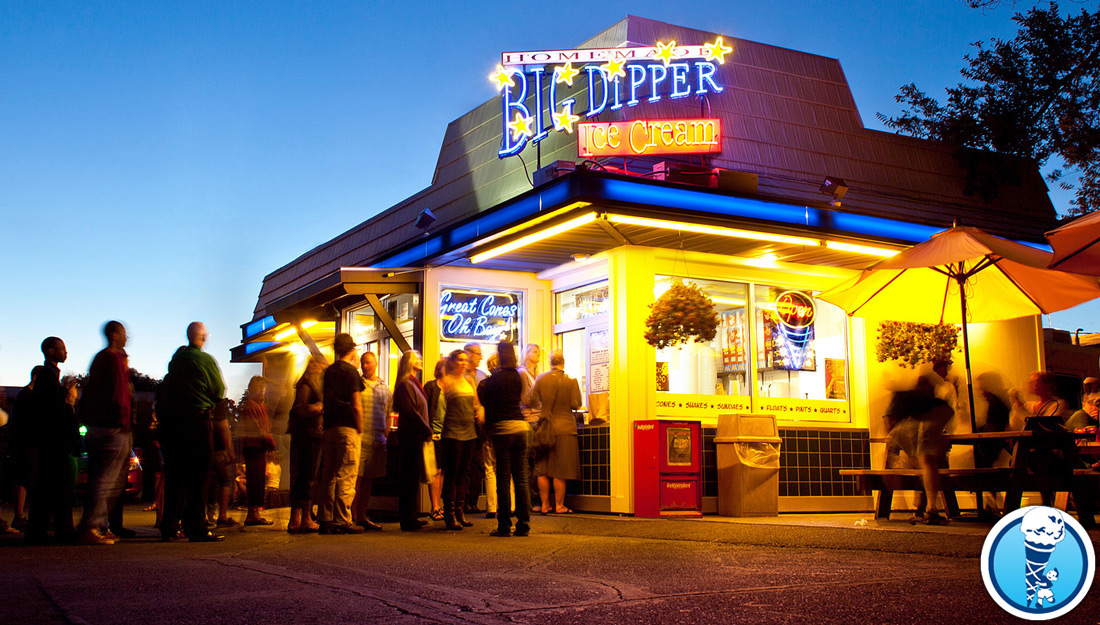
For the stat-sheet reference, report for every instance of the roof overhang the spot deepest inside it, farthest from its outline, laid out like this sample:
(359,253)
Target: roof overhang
(307,317)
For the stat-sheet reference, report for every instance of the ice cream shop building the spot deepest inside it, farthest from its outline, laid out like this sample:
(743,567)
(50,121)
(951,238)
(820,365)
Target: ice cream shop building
(594,179)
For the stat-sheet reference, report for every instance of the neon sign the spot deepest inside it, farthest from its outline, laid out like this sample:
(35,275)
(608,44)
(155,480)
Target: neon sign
(794,334)
(625,78)
(641,137)
(478,315)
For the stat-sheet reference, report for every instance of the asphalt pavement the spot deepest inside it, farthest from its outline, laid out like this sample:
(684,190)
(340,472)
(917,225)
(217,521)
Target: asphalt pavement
(576,568)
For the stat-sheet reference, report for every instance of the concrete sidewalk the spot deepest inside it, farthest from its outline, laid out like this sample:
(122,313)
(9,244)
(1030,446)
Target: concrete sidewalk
(849,531)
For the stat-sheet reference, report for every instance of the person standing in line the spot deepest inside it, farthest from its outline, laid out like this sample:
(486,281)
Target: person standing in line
(223,472)
(105,409)
(558,395)
(190,392)
(256,443)
(306,431)
(25,454)
(377,402)
(436,411)
(500,395)
(460,422)
(414,430)
(529,372)
(54,438)
(478,472)
(343,390)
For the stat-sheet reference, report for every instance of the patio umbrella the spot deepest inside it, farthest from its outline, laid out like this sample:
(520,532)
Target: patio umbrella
(1077,245)
(961,275)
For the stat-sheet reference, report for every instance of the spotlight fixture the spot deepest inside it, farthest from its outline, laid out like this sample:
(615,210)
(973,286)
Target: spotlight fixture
(836,187)
(580,258)
(424,219)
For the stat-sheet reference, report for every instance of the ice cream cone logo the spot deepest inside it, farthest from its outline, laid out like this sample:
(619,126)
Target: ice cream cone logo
(1038,563)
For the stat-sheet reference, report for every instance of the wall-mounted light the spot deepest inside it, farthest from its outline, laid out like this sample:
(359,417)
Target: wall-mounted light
(424,219)
(835,187)
(870,250)
(580,258)
(716,230)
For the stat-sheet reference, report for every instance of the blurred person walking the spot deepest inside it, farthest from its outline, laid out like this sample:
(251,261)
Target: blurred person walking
(191,390)
(54,438)
(256,443)
(414,431)
(479,474)
(25,454)
(377,400)
(306,430)
(500,395)
(460,421)
(106,410)
(558,395)
(343,389)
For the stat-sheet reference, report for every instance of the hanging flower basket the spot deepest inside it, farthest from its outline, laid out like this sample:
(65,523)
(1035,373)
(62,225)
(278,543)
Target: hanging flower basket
(912,344)
(682,313)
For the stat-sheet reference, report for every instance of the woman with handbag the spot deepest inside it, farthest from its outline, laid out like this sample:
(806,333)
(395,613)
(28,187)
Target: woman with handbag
(558,395)
(256,442)
(460,422)
(414,431)
(305,429)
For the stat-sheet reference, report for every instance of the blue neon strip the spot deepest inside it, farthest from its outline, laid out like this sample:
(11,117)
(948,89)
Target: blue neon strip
(252,348)
(879,227)
(551,197)
(687,199)
(258,326)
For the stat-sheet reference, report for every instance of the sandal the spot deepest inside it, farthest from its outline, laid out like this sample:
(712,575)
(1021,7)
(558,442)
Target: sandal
(563,511)
(151,508)
(437,514)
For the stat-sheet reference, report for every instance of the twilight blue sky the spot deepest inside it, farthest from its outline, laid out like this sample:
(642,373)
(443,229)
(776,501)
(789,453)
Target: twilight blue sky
(157,159)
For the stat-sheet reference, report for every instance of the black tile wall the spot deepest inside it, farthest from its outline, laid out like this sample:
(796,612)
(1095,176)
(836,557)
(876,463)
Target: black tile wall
(809,462)
(595,446)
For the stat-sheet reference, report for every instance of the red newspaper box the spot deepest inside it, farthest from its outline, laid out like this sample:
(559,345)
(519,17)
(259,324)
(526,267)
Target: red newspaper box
(668,468)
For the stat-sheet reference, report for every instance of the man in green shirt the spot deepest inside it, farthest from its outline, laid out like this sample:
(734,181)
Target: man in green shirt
(189,394)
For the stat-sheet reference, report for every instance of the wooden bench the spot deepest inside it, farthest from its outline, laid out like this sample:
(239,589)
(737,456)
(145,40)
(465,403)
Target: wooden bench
(887,481)
(1014,480)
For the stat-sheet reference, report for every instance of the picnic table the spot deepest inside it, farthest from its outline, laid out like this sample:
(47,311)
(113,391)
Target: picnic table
(1014,480)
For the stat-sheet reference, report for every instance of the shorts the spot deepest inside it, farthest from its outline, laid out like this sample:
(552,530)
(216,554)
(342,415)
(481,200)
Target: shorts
(225,472)
(372,460)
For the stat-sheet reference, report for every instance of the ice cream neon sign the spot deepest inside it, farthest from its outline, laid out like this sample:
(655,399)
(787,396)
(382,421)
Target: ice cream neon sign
(641,137)
(614,78)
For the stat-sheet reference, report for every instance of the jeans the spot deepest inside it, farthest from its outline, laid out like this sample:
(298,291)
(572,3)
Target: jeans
(511,461)
(339,468)
(411,467)
(108,450)
(456,462)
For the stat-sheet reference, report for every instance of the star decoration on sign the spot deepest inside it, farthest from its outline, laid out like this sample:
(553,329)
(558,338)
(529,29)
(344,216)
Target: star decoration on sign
(565,119)
(502,77)
(565,73)
(666,52)
(614,68)
(520,127)
(717,51)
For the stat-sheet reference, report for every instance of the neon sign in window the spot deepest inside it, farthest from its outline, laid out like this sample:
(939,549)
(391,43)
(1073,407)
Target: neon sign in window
(466,315)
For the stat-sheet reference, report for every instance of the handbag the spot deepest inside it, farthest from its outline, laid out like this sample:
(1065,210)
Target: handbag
(1045,423)
(430,467)
(544,439)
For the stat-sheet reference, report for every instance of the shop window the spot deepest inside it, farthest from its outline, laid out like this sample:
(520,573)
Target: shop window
(480,316)
(582,302)
(719,367)
(801,348)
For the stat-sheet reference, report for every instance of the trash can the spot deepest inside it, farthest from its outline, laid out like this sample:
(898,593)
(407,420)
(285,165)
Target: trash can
(748,465)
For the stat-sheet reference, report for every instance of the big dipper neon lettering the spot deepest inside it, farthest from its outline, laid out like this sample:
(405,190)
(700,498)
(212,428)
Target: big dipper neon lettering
(625,77)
